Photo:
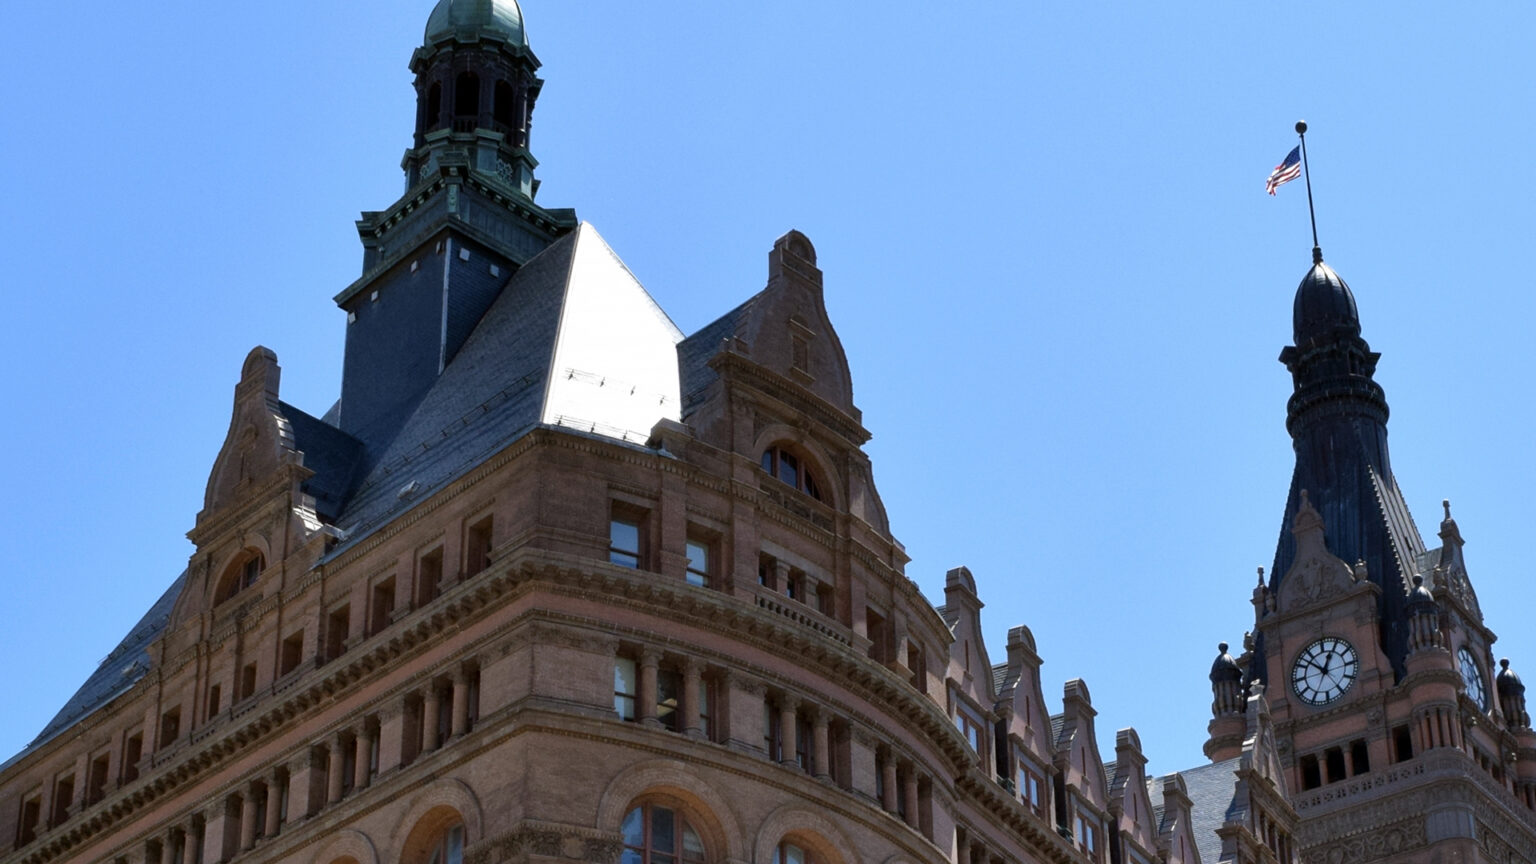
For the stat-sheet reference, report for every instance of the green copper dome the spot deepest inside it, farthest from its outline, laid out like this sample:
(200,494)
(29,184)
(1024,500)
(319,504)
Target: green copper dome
(501,17)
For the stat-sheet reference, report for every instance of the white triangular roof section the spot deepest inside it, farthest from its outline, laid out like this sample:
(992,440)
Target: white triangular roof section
(614,367)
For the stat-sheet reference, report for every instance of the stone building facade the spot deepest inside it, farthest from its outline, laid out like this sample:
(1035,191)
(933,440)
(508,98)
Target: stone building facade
(554,581)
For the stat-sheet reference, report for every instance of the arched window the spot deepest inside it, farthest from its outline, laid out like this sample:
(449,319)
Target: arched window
(654,834)
(466,95)
(792,470)
(505,105)
(241,574)
(449,848)
(434,113)
(789,853)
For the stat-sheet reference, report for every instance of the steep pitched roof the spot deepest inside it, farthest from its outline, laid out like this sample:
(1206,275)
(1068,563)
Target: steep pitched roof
(695,352)
(573,340)
(119,670)
(332,454)
(1212,797)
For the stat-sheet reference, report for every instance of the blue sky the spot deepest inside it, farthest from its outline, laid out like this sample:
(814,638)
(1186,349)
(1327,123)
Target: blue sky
(1047,249)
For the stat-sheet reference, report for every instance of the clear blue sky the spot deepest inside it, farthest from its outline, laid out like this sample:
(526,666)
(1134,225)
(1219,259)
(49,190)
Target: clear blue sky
(1047,249)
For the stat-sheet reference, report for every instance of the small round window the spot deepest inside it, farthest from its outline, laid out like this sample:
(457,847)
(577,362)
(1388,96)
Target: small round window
(792,470)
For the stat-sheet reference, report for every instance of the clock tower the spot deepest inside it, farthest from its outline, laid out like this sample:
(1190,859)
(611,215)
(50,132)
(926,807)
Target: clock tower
(1397,740)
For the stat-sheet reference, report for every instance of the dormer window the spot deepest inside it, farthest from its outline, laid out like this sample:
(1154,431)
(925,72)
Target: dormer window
(792,470)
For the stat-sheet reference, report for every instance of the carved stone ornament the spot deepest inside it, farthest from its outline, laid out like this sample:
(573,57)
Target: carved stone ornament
(1317,575)
(1387,841)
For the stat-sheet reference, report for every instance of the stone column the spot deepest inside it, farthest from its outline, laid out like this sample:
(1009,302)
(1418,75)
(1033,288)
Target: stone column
(787,730)
(649,660)
(248,817)
(430,711)
(392,733)
(173,846)
(888,782)
(460,703)
(962,847)
(363,741)
(215,826)
(301,787)
(909,791)
(689,703)
(274,804)
(820,742)
(336,767)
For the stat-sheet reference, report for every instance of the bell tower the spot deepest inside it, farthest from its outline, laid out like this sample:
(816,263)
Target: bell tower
(1397,740)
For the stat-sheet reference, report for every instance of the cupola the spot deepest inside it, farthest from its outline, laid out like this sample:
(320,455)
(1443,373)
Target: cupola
(475,91)
(1324,307)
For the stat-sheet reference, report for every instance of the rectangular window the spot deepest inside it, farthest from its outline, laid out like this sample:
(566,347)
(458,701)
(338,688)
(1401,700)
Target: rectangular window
(293,651)
(1402,744)
(96,780)
(429,576)
(383,605)
(63,796)
(698,563)
(972,727)
(213,701)
(1311,772)
(31,815)
(477,547)
(794,586)
(624,540)
(1087,836)
(767,572)
(805,753)
(918,668)
(1031,790)
(706,708)
(626,680)
(336,626)
(1359,757)
(669,688)
(773,738)
(170,726)
(248,681)
(875,627)
(133,751)
(1333,759)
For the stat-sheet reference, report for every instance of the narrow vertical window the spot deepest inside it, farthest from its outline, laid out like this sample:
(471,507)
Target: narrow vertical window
(477,547)
(383,605)
(698,563)
(669,688)
(624,540)
(625,687)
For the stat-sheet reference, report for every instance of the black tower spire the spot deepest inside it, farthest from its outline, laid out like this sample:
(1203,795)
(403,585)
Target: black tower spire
(1337,417)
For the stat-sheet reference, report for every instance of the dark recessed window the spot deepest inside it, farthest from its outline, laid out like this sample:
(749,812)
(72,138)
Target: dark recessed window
(791,470)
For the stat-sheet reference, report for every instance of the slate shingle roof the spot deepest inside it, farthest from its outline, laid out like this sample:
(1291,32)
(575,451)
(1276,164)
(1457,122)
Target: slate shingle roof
(1211,798)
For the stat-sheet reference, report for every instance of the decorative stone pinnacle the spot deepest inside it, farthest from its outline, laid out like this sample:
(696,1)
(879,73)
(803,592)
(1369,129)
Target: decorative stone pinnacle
(1221,648)
(1446,503)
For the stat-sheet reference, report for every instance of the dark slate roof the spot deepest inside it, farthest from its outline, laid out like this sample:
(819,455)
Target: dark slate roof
(1000,678)
(1058,727)
(332,454)
(951,617)
(490,395)
(695,352)
(1211,800)
(124,666)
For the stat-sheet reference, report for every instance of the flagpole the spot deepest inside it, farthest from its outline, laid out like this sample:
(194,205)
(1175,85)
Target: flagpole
(1317,251)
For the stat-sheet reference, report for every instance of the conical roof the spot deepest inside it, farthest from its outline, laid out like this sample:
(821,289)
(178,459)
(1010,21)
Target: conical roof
(1324,306)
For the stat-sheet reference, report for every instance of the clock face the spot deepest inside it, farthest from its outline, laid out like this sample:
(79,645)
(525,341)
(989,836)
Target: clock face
(1473,678)
(1324,670)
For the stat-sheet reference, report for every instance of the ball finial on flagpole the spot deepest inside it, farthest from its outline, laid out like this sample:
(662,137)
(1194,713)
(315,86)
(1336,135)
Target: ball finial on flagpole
(1301,127)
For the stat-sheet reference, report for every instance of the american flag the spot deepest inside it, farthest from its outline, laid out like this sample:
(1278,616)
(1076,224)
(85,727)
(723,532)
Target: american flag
(1285,172)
